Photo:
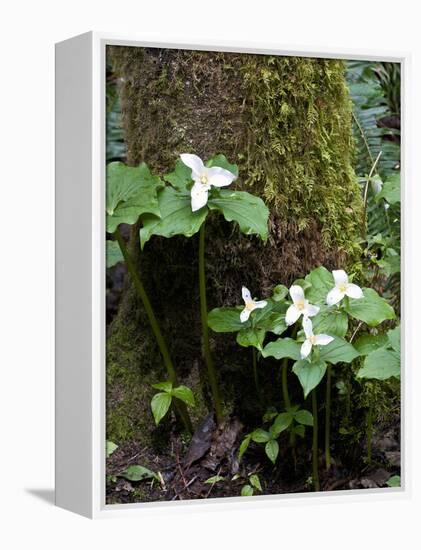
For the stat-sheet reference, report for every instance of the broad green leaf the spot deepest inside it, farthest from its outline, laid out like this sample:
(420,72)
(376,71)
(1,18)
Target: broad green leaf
(272,450)
(367,343)
(260,436)
(321,281)
(225,319)
(273,322)
(248,211)
(283,347)
(279,293)
(247,491)
(255,481)
(282,422)
(270,414)
(164,386)
(113,253)
(221,161)
(214,479)
(338,351)
(391,190)
(331,321)
(309,374)
(111,447)
(251,337)
(138,473)
(372,309)
(131,192)
(304,417)
(184,394)
(181,177)
(394,338)
(381,364)
(160,404)
(244,446)
(394,481)
(176,218)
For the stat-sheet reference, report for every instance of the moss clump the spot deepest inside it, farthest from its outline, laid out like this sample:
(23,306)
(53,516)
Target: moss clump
(286,122)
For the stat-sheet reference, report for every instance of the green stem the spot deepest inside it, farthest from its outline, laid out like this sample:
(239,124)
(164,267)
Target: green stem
(285,392)
(369,432)
(315,450)
(205,331)
(153,321)
(328,413)
(255,374)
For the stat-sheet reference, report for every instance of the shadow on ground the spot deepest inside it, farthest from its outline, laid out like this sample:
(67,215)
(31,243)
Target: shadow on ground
(47,495)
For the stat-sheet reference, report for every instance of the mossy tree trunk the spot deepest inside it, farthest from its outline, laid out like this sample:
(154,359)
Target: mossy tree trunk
(286,122)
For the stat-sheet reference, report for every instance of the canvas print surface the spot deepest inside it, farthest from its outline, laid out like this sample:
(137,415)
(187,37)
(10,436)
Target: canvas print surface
(253,275)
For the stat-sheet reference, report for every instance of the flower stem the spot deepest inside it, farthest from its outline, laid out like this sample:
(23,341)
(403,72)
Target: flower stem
(153,321)
(205,331)
(285,393)
(315,450)
(328,414)
(255,375)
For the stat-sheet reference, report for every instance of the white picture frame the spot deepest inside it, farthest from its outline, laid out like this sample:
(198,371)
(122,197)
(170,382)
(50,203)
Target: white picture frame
(80,278)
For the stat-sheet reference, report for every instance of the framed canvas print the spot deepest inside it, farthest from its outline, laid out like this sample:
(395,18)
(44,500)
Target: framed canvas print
(229,304)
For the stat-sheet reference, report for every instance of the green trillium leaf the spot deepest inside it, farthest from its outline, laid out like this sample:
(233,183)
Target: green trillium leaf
(367,343)
(332,322)
(251,337)
(160,404)
(181,178)
(338,351)
(248,211)
(394,338)
(113,253)
(184,394)
(225,319)
(381,364)
(221,161)
(371,309)
(304,417)
(279,293)
(283,347)
(320,281)
(272,450)
(177,217)
(309,374)
(131,192)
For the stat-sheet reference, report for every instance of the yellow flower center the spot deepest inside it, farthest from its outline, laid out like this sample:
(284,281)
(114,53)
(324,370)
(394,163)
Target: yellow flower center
(249,305)
(312,340)
(342,287)
(204,179)
(300,304)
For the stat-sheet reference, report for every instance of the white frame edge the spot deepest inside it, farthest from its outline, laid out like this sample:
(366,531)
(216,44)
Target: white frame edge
(80,279)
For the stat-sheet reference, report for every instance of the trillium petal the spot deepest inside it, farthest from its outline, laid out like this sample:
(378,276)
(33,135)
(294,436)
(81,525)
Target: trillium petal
(260,305)
(340,277)
(297,293)
(308,327)
(199,196)
(244,315)
(323,339)
(195,163)
(245,293)
(310,310)
(292,315)
(354,291)
(219,177)
(305,349)
(334,296)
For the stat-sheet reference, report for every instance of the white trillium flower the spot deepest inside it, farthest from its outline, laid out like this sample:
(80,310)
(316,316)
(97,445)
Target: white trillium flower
(251,305)
(300,306)
(204,178)
(342,288)
(312,339)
